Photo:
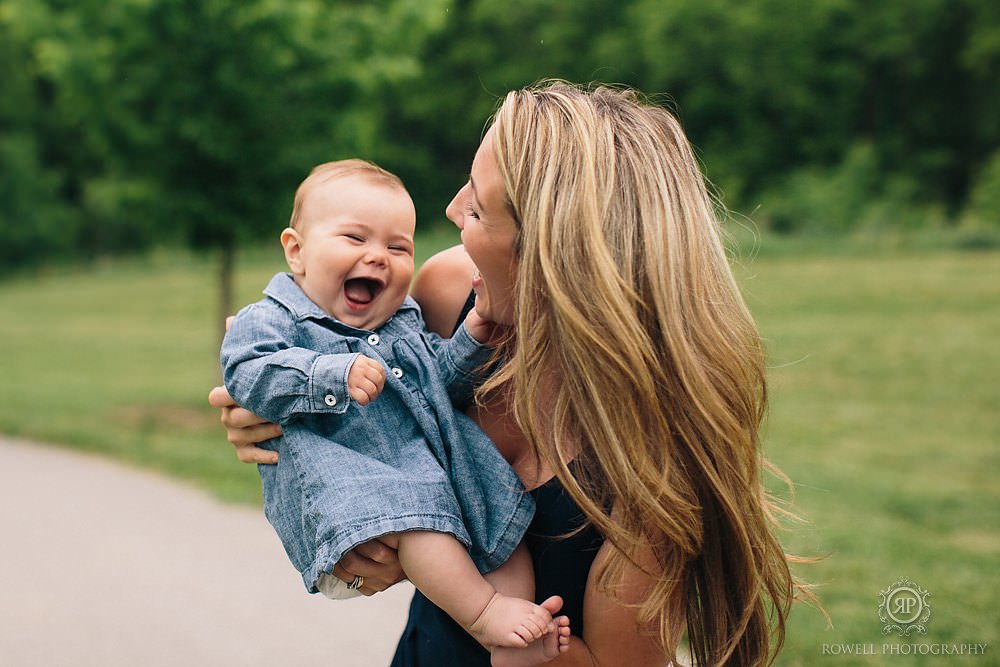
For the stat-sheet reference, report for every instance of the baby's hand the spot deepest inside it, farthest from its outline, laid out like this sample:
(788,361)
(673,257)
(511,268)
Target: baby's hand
(485,331)
(365,380)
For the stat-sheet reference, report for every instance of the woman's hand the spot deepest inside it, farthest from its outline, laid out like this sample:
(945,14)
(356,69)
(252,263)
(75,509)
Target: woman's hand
(244,429)
(376,561)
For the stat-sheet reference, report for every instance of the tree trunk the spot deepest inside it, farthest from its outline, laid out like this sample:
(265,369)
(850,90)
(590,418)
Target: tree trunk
(227,256)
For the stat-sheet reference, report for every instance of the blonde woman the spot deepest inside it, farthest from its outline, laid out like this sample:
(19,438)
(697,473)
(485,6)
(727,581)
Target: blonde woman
(629,396)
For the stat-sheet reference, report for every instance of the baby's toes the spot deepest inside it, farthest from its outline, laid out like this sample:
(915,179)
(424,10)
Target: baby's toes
(563,632)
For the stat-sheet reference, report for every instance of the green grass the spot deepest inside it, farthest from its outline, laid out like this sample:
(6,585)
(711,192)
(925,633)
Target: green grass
(884,408)
(119,359)
(885,413)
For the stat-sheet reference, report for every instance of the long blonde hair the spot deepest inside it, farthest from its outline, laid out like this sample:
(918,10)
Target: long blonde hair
(636,357)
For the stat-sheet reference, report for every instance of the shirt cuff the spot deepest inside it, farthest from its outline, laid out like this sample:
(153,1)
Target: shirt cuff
(328,383)
(467,354)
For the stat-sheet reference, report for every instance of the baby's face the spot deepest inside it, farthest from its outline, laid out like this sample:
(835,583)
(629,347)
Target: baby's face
(356,249)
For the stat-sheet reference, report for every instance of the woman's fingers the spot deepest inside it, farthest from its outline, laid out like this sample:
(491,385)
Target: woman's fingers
(219,398)
(244,429)
(237,418)
(253,454)
(376,562)
(233,416)
(379,551)
(251,435)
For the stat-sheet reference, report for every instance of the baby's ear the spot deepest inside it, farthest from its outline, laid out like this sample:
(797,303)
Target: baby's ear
(291,241)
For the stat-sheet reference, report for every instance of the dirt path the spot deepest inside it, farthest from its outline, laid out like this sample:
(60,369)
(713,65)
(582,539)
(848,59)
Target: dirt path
(101,564)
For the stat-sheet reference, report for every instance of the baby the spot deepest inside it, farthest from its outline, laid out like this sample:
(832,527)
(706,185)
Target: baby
(367,453)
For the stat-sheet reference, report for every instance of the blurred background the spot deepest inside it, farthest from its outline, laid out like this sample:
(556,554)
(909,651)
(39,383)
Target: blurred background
(149,151)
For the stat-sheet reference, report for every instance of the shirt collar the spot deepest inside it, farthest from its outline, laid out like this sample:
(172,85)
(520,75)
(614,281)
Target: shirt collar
(286,292)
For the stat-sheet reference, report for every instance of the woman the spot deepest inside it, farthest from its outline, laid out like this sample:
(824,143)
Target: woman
(631,390)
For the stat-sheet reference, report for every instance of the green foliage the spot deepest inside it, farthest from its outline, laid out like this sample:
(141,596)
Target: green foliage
(769,87)
(487,48)
(195,119)
(855,195)
(36,224)
(983,210)
(137,122)
(36,220)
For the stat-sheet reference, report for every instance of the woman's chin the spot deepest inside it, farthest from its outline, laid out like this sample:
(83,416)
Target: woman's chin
(488,312)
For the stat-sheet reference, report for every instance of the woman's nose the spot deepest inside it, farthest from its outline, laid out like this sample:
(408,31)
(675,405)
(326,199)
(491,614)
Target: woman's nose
(454,209)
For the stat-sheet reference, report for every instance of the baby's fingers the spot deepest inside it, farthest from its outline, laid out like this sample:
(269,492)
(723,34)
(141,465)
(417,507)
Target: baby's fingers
(365,380)
(364,391)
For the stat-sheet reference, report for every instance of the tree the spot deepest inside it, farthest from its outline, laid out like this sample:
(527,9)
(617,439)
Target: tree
(487,48)
(38,219)
(199,117)
(226,106)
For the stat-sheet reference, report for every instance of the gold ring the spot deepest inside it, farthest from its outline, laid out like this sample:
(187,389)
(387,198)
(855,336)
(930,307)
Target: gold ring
(358,582)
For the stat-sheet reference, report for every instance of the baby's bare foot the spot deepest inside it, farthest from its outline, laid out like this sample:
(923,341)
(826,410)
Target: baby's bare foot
(541,650)
(513,622)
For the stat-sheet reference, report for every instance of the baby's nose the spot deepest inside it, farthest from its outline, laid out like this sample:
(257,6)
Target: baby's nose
(376,256)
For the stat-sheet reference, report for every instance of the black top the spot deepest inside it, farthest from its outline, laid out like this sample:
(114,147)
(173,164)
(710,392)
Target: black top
(432,639)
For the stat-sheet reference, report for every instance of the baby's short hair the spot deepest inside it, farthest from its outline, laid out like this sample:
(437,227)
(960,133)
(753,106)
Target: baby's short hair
(328,171)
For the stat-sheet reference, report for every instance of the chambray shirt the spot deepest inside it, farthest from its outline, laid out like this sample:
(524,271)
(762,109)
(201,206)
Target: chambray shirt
(349,473)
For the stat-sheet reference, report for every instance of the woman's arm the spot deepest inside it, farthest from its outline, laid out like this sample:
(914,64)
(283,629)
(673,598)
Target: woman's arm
(611,635)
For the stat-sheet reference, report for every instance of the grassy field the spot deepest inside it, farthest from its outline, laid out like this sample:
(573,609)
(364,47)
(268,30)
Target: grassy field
(885,404)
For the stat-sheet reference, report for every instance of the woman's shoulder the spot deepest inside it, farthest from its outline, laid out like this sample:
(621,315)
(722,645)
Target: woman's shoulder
(441,287)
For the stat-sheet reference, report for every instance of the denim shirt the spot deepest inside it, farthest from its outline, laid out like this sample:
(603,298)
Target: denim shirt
(284,357)
(348,473)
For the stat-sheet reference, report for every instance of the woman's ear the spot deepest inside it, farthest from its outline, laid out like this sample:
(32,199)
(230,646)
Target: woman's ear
(291,241)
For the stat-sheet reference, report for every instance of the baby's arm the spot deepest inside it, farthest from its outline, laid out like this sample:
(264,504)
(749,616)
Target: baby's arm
(266,373)
(462,359)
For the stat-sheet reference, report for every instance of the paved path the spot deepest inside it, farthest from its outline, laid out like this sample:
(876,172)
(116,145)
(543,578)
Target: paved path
(104,565)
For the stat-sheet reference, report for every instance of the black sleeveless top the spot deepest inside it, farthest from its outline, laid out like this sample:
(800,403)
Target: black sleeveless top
(432,639)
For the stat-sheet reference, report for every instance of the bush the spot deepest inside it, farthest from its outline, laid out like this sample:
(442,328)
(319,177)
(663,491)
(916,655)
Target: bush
(983,209)
(855,195)
(35,222)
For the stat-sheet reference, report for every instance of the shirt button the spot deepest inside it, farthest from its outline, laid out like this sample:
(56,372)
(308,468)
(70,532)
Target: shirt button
(373,339)
(331,400)
(398,372)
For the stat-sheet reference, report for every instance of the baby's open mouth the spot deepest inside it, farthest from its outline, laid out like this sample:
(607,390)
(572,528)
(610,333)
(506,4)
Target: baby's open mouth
(362,291)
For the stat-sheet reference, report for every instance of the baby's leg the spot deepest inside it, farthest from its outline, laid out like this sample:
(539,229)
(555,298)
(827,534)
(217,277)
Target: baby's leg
(516,577)
(441,568)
